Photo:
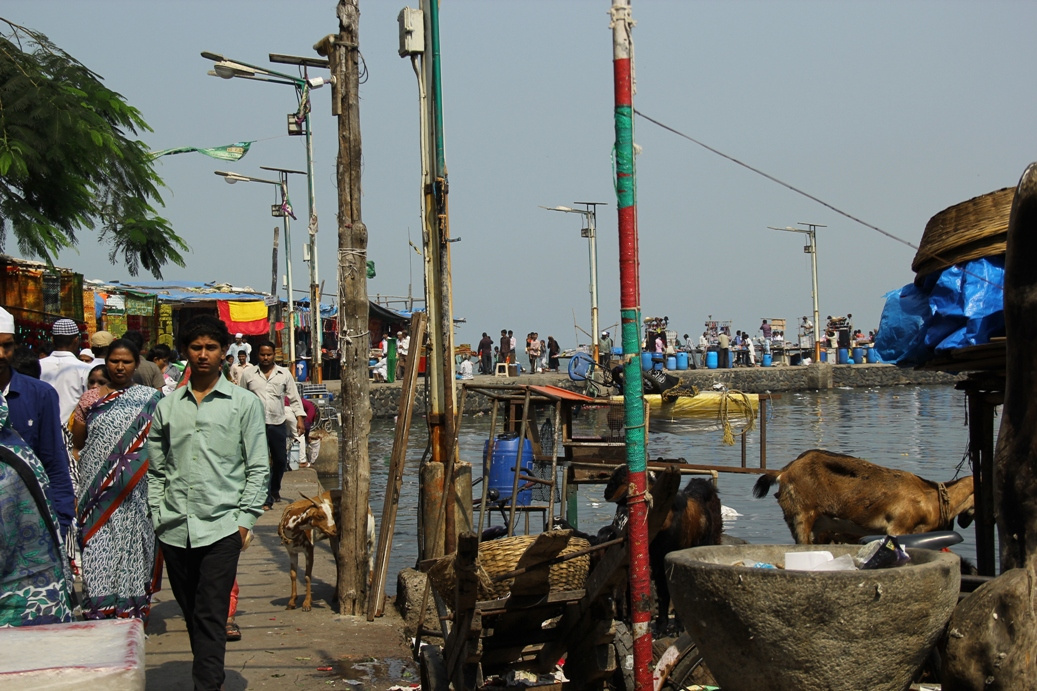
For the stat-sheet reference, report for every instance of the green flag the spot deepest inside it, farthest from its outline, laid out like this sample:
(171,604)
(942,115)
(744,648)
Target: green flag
(231,152)
(370,269)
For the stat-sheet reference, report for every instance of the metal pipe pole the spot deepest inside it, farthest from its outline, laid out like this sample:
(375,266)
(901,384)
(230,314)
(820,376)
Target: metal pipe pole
(592,242)
(817,314)
(288,261)
(316,330)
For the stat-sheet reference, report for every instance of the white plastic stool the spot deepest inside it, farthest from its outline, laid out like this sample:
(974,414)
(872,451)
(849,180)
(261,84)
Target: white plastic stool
(502,369)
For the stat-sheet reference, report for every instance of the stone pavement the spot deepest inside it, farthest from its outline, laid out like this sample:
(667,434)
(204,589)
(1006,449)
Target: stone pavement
(282,648)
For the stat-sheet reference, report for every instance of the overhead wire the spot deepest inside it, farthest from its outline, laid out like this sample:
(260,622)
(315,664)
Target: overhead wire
(801,192)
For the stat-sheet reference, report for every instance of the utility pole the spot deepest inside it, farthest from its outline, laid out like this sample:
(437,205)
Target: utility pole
(273,290)
(343,51)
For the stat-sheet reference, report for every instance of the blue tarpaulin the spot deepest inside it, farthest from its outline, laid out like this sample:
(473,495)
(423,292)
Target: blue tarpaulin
(961,306)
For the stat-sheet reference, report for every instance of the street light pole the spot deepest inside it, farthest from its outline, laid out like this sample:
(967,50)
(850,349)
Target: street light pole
(229,69)
(811,232)
(283,210)
(590,232)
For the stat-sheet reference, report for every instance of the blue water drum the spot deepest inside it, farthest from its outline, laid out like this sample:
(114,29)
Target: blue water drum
(858,356)
(682,360)
(502,475)
(657,361)
(711,359)
(767,360)
(824,355)
(617,350)
(843,356)
(302,370)
(646,361)
(671,362)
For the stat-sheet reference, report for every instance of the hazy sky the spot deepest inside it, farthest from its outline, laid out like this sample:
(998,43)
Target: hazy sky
(891,111)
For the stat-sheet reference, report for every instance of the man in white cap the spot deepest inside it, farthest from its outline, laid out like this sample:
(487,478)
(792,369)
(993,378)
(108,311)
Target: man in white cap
(63,369)
(35,415)
(239,344)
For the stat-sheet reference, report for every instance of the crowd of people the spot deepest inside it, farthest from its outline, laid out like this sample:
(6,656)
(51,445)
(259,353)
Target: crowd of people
(542,355)
(112,462)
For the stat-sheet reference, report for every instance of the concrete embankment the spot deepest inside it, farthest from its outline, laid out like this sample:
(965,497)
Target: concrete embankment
(385,398)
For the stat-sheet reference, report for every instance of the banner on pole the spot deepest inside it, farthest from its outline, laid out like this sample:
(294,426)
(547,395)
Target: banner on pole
(231,152)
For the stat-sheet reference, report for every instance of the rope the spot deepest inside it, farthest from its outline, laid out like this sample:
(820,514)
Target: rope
(724,413)
(945,505)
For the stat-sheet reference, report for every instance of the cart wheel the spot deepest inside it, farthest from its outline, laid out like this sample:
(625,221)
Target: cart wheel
(623,642)
(433,669)
(689,668)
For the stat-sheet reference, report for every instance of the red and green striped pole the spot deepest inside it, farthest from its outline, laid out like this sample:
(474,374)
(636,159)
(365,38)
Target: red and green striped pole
(630,316)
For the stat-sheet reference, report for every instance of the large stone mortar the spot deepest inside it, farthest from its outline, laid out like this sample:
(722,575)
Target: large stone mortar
(776,629)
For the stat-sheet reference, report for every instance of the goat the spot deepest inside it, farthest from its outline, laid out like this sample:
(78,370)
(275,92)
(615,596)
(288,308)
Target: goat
(693,520)
(306,521)
(828,497)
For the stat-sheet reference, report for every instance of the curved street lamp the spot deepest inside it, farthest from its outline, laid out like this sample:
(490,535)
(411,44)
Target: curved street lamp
(230,69)
(283,210)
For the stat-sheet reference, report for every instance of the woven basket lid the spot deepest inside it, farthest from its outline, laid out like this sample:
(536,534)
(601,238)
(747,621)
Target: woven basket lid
(969,230)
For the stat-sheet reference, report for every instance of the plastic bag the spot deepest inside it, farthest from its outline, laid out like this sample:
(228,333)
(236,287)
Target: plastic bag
(881,554)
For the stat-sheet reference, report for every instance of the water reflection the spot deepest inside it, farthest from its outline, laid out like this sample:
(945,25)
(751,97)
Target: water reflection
(919,429)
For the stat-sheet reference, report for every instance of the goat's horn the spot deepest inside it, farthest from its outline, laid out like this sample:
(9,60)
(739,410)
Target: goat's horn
(312,500)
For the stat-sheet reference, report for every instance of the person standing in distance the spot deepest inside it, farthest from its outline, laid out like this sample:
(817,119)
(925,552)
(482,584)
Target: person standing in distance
(207,480)
(272,383)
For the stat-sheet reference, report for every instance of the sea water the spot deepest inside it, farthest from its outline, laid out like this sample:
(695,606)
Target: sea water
(921,429)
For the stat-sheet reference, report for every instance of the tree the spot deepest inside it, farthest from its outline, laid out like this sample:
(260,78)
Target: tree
(70,160)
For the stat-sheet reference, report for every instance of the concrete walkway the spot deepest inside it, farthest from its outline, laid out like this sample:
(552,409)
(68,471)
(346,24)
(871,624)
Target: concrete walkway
(283,648)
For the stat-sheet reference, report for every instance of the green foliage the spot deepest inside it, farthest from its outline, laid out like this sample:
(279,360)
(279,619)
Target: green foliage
(69,160)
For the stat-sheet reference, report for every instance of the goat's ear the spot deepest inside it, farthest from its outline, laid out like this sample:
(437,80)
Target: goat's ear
(965,518)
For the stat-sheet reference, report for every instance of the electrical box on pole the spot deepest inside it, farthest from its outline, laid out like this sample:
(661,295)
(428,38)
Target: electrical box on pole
(412,31)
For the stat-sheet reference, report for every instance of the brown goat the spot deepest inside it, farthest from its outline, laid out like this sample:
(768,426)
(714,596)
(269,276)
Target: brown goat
(692,521)
(832,497)
(306,521)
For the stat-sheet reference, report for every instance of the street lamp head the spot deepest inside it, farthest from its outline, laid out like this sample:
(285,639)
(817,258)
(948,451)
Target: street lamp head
(318,82)
(230,178)
(228,70)
(215,57)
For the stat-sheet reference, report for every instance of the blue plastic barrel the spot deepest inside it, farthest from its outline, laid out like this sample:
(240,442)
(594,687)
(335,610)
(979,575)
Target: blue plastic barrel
(767,360)
(646,361)
(711,359)
(682,360)
(671,362)
(858,356)
(843,356)
(502,475)
(657,362)
(302,370)
(824,355)
(617,350)
(872,354)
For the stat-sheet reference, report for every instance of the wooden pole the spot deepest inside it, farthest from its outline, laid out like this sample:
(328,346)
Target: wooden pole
(635,419)
(342,51)
(376,597)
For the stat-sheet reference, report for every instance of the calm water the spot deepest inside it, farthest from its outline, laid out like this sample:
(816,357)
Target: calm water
(919,429)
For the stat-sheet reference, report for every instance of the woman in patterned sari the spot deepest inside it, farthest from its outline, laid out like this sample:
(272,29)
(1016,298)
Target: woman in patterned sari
(35,583)
(121,569)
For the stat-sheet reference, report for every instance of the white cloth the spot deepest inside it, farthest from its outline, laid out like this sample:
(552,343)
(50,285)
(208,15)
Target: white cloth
(272,391)
(67,374)
(402,345)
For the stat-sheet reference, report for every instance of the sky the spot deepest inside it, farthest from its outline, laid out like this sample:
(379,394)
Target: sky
(889,111)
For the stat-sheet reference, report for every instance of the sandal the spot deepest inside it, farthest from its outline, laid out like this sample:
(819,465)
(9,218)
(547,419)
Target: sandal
(233,631)
(267,507)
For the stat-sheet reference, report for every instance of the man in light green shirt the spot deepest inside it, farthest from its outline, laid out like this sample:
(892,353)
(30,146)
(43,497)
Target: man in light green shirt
(208,473)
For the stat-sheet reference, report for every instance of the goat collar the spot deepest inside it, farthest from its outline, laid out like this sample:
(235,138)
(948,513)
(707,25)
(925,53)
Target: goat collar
(945,505)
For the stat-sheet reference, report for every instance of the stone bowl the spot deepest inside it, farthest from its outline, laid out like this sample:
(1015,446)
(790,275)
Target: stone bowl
(776,629)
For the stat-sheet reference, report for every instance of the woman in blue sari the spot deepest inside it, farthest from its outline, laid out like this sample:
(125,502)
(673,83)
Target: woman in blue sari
(35,582)
(121,568)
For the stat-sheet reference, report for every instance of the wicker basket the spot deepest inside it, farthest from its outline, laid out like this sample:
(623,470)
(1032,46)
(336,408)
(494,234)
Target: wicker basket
(498,557)
(969,230)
